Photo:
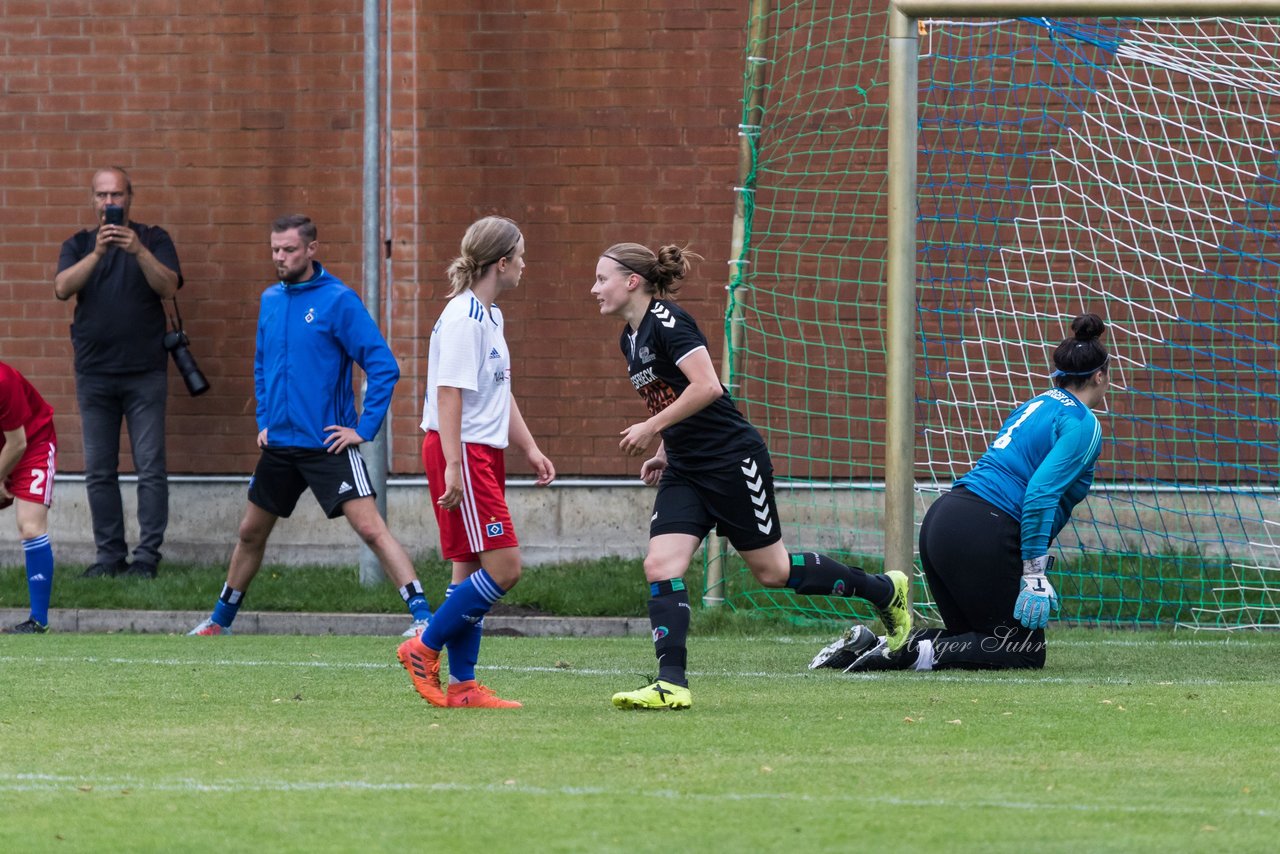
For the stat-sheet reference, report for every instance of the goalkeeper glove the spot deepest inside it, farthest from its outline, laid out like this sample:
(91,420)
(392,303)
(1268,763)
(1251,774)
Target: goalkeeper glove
(1038,597)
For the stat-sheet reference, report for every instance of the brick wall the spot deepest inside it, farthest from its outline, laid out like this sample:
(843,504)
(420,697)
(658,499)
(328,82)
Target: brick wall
(588,121)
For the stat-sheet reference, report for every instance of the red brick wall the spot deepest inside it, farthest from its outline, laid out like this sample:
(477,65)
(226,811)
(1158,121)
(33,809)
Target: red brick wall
(588,121)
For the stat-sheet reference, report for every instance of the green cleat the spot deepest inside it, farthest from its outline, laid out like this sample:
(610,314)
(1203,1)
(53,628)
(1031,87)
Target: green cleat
(896,616)
(659,695)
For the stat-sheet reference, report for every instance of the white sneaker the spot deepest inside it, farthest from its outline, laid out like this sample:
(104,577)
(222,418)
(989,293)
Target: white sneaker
(416,629)
(209,627)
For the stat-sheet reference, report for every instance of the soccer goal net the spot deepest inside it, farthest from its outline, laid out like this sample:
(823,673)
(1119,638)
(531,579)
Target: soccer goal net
(1124,166)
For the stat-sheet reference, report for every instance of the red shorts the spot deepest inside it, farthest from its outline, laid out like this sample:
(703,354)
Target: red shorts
(482,522)
(32,478)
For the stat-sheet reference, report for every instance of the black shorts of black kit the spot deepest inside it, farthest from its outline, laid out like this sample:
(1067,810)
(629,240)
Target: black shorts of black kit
(971,552)
(283,474)
(736,500)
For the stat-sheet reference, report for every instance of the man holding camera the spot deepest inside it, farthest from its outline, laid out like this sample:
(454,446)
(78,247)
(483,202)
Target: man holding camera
(120,272)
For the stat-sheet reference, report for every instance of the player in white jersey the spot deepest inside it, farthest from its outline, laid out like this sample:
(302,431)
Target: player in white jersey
(470,416)
(984,546)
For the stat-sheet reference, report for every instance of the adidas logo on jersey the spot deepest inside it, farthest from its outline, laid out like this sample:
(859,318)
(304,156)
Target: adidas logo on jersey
(345,487)
(494,354)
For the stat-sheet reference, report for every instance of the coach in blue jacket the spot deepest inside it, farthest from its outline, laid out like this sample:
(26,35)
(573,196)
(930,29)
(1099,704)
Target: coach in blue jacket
(311,328)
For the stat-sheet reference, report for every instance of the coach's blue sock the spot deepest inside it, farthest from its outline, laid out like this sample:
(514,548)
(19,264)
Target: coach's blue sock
(39,555)
(464,650)
(416,600)
(470,601)
(224,613)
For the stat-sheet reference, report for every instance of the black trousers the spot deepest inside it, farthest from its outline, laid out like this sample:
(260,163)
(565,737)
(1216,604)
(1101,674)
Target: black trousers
(971,552)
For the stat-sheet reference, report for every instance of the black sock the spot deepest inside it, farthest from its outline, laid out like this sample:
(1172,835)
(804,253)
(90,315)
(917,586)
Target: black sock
(820,575)
(669,617)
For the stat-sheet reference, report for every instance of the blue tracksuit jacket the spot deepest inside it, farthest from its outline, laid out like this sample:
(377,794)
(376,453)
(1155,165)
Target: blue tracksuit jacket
(309,334)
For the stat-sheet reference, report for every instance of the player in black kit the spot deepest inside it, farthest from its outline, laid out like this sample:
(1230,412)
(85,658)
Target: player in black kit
(712,470)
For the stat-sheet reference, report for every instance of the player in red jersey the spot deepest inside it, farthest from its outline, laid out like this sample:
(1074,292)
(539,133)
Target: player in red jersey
(27,454)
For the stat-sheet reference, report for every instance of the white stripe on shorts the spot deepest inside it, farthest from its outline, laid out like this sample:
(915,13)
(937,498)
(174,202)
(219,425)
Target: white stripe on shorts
(470,516)
(359,473)
(49,472)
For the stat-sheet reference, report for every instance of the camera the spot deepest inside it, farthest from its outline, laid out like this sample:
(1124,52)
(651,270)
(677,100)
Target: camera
(176,342)
(113,215)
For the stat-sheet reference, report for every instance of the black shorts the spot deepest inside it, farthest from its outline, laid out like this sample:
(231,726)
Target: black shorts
(283,474)
(737,501)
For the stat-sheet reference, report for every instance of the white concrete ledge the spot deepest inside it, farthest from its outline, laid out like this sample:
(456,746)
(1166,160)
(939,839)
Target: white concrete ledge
(104,621)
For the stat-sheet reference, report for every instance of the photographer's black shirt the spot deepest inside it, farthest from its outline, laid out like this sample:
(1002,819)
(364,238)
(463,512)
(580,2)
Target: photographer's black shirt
(711,438)
(119,321)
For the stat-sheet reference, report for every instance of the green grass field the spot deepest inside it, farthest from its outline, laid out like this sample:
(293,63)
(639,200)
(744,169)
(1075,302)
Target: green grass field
(1127,742)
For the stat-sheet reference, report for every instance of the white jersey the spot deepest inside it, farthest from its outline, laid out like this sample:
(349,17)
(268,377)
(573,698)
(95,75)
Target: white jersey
(469,352)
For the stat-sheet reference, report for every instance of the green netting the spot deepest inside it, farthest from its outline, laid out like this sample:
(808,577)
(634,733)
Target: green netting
(1123,166)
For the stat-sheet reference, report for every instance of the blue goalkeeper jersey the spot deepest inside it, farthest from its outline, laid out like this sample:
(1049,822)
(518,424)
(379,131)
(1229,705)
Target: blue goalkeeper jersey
(1040,466)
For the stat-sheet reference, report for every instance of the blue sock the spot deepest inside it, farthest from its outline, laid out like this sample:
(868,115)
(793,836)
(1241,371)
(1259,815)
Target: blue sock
(39,555)
(228,605)
(461,611)
(464,650)
(416,600)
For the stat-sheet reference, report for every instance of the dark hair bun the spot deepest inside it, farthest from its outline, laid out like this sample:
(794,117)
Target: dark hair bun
(1087,327)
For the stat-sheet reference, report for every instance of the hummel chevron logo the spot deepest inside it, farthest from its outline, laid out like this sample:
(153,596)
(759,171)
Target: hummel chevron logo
(758,495)
(664,315)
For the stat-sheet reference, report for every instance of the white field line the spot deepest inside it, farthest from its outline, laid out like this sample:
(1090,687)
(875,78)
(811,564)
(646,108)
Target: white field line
(26,783)
(970,678)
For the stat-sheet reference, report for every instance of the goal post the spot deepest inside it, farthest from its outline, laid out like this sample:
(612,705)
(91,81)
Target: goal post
(901,250)
(936,189)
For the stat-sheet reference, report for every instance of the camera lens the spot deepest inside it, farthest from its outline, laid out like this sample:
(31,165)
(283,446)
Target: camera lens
(176,344)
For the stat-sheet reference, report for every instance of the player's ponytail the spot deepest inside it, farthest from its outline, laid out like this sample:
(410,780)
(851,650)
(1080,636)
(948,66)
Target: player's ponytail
(1082,355)
(486,242)
(660,270)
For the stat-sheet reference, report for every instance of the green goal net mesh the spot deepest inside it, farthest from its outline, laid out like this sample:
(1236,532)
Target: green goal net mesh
(1126,167)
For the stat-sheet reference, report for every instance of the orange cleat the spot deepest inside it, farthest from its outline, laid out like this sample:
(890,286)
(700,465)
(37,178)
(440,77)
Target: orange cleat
(472,695)
(423,664)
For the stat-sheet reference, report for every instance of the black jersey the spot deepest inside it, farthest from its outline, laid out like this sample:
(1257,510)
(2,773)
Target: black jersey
(716,436)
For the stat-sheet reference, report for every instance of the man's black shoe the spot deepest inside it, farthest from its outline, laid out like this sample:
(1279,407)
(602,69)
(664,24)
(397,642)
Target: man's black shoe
(105,570)
(141,569)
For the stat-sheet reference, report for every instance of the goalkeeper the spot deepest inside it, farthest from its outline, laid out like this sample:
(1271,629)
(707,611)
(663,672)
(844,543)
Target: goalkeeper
(984,545)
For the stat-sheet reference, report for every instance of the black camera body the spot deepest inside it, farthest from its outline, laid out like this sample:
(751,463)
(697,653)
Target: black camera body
(176,342)
(113,215)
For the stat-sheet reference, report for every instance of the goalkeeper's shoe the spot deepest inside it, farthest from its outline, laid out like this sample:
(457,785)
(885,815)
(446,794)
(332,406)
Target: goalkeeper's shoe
(423,664)
(880,657)
(845,650)
(896,616)
(472,695)
(416,628)
(28,627)
(659,695)
(209,627)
